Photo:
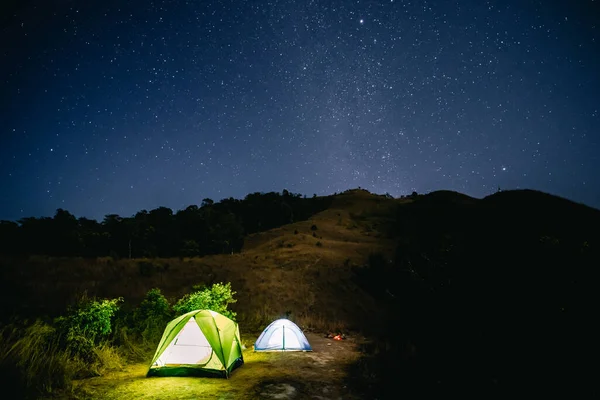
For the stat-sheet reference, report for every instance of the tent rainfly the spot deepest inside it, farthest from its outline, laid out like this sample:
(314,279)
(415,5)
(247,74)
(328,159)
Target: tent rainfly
(282,335)
(199,343)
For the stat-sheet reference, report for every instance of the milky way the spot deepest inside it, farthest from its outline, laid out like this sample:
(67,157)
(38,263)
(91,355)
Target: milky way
(114,107)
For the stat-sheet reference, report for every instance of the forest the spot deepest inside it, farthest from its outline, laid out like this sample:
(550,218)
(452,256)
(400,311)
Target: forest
(210,228)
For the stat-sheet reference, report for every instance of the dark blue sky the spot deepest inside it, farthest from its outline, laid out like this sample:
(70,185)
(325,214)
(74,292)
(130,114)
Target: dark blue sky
(117,106)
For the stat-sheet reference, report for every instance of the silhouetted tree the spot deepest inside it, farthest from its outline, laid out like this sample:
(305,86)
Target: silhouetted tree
(214,227)
(10,241)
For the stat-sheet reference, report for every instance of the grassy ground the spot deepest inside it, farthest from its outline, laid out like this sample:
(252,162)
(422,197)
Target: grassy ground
(320,374)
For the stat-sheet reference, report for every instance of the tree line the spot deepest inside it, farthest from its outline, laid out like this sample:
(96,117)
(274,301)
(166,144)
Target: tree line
(211,228)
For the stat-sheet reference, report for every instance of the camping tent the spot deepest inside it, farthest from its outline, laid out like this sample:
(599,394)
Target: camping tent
(199,343)
(282,335)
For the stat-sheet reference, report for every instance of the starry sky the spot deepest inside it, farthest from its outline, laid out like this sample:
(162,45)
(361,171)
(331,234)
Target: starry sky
(118,106)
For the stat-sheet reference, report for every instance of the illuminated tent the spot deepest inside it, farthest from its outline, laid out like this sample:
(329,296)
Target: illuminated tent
(282,335)
(199,343)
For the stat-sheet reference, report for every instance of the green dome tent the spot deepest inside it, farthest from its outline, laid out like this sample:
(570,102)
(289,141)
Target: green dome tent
(199,343)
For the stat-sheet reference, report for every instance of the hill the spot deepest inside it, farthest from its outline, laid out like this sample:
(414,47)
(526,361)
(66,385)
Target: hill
(303,269)
(492,294)
(455,294)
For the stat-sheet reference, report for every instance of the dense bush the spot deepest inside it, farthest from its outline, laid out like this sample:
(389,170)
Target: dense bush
(87,325)
(216,298)
(152,315)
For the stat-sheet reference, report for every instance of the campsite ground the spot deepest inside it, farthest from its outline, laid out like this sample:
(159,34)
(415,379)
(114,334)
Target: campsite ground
(320,374)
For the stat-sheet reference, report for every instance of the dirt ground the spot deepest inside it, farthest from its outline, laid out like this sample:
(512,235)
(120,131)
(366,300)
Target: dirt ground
(320,374)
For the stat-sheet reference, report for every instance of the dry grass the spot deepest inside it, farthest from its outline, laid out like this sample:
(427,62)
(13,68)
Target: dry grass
(282,271)
(33,363)
(31,358)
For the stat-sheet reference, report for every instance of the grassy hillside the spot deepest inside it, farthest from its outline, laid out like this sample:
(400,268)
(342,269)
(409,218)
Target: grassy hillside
(455,294)
(303,269)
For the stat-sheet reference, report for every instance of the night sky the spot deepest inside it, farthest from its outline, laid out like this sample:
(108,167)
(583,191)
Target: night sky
(118,106)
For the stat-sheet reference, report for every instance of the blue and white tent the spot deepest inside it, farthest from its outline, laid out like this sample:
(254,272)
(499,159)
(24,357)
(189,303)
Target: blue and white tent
(282,335)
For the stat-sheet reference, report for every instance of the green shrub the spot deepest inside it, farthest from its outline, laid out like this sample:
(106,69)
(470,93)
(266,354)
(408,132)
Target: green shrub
(216,298)
(153,313)
(87,325)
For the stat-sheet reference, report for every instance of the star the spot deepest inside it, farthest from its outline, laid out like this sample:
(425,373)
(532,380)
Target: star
(226,100)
